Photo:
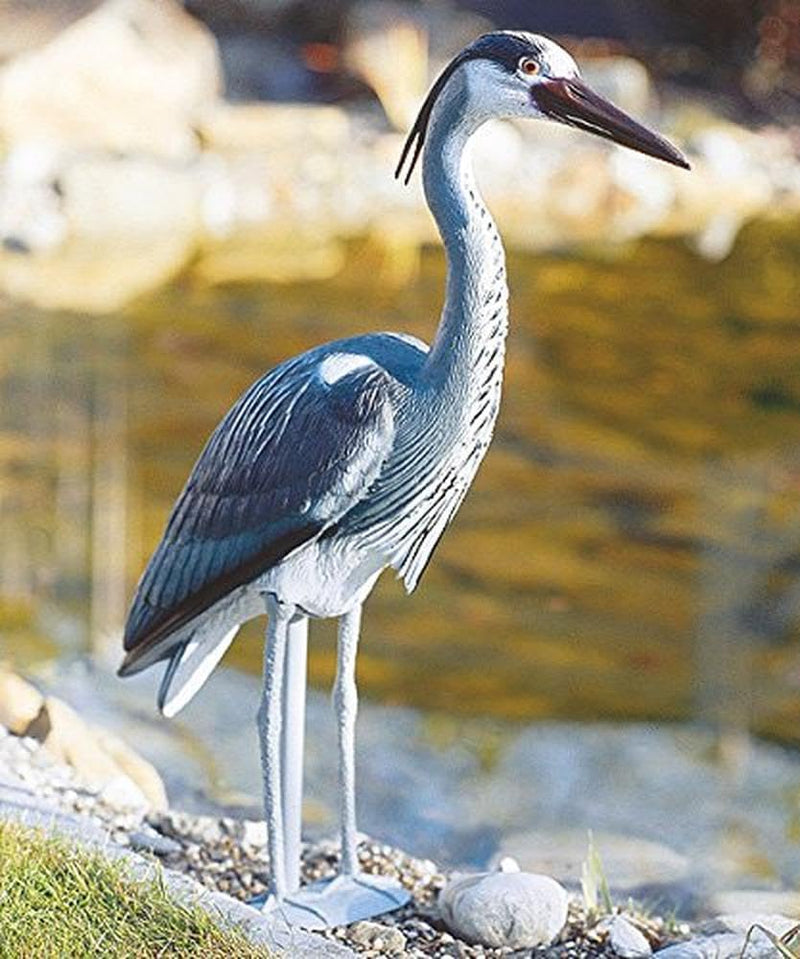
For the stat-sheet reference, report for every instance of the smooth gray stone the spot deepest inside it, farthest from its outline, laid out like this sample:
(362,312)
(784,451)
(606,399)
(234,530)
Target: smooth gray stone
(626,940)
(153,842)
(512,910)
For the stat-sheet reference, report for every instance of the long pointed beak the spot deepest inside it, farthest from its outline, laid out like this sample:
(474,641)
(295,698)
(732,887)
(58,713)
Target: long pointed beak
(577,105)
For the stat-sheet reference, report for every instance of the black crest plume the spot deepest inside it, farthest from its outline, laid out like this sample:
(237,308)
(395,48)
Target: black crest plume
(505,48)
(416,137)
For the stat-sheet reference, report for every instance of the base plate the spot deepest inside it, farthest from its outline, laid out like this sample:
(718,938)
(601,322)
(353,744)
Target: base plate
(337,902)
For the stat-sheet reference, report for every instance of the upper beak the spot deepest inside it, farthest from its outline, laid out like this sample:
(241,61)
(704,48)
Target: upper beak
(572,102)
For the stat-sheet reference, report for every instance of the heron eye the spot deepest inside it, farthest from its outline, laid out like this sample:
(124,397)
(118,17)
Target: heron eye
(529,67)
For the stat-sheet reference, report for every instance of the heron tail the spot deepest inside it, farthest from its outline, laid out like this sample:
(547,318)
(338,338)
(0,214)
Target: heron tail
(189,667)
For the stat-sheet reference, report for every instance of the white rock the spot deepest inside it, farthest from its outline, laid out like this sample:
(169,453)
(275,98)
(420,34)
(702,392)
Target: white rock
(254,833)
(122,793)
(101,760)
(626,940)
(108,198)
(505,909)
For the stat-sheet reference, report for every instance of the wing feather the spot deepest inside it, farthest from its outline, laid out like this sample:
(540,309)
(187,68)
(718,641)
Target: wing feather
(293,455)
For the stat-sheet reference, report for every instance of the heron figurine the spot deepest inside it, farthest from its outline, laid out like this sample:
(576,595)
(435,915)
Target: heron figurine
(351,458)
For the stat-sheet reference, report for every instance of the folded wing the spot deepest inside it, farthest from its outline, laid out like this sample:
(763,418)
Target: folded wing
(292,456)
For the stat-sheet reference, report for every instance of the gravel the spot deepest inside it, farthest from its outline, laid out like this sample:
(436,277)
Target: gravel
(229,855)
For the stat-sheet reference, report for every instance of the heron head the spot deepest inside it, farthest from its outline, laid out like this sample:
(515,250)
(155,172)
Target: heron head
(515,74)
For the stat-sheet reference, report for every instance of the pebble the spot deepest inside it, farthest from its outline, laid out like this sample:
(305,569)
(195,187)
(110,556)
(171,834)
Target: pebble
(153,842)
(385,940)
(254,833)
(626,940)
(505,909)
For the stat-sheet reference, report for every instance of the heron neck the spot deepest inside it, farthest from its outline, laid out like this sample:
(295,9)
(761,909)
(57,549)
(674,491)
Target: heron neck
(474,321)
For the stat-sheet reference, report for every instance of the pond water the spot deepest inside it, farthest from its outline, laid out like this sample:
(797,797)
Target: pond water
(630,550)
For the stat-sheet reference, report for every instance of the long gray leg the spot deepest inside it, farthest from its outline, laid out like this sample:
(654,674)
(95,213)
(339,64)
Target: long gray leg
(345,703)
(269,732)
(292,739)
(352,895)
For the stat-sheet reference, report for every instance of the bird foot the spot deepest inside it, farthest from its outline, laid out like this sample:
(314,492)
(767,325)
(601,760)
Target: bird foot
(264,902)
(337,902)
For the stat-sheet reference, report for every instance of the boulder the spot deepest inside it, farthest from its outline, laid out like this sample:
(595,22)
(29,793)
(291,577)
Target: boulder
(102,761)
(68,739)
(142,773)
(19,702)
(131,76)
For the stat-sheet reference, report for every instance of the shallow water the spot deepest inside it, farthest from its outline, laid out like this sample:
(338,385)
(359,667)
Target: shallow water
(630,550)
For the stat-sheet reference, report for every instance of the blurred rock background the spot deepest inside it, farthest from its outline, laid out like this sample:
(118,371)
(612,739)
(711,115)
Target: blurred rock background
(162,135)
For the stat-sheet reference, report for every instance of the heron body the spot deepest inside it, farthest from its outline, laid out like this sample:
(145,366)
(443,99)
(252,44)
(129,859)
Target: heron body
(355,456)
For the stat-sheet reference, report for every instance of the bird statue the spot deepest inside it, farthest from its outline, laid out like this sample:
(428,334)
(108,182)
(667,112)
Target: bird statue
(351,458)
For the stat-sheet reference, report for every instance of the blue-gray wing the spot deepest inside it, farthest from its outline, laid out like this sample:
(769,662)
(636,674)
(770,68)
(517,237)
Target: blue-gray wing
(293,455)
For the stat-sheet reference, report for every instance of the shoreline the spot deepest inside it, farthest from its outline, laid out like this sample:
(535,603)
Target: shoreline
(221,861)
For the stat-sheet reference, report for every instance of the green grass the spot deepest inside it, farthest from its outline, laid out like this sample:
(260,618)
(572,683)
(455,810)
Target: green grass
(58,900)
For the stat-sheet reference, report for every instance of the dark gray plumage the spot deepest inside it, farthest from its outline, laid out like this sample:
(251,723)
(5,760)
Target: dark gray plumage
(290,459)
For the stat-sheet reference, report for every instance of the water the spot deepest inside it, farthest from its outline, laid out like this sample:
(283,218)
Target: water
(629,550)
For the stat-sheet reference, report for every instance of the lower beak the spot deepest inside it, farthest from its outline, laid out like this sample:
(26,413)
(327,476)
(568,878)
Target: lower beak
(577,105)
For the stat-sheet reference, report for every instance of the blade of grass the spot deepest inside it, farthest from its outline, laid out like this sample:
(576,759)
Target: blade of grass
(786,944)
(594,885)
